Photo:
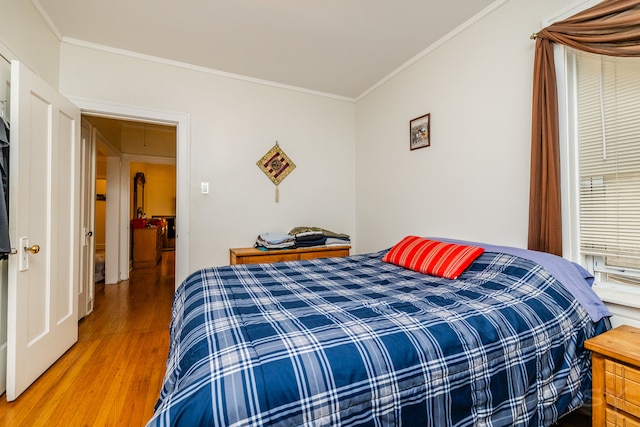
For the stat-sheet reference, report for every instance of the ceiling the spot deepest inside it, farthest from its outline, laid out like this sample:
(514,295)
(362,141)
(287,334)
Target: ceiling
(131,137)
(123,134)
(337,47)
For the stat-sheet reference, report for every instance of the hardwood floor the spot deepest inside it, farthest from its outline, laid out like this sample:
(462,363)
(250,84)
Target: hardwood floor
(112,375)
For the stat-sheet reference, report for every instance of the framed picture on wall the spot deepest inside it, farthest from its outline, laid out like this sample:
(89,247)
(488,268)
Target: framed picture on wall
(419,132)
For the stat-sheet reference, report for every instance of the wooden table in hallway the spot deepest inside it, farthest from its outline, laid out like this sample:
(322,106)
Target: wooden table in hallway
(113,374)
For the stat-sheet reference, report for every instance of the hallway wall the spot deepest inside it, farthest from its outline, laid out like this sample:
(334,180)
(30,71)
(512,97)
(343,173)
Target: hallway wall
(101,214)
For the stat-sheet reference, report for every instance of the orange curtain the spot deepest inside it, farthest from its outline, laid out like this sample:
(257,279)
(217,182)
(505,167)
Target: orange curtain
(609,28)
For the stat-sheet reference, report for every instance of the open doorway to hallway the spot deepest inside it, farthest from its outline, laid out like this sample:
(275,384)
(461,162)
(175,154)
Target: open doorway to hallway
(125,148)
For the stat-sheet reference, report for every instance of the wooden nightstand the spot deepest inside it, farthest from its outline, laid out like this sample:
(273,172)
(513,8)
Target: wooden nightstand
(256,256)
(616,377)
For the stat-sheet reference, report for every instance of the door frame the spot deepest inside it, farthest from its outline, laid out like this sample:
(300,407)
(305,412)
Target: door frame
(86,283)
(182,123)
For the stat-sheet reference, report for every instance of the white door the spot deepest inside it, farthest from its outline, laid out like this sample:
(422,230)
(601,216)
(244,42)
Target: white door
(44,228)
(87,213)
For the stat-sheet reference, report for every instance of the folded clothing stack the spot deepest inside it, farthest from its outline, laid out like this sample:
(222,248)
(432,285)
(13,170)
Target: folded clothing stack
(275,241)
(316,236)
(306,239)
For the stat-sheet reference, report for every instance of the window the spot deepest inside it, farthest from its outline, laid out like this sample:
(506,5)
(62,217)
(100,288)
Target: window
(603,104)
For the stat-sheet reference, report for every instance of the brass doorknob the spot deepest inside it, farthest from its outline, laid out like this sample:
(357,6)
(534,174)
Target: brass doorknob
(33,249)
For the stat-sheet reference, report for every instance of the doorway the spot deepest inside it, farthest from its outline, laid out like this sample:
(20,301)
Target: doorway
(182,123)
(126,146)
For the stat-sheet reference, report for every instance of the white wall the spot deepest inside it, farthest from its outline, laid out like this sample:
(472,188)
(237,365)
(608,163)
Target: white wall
(27,37)
(233,123)
(473,181)
(159,189)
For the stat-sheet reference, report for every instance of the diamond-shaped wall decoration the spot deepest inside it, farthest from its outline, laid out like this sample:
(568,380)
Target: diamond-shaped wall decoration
(276,165)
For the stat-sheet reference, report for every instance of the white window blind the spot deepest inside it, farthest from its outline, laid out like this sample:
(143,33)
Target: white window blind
(608,95)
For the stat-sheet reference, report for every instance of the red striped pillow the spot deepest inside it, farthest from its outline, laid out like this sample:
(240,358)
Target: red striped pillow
(442,259)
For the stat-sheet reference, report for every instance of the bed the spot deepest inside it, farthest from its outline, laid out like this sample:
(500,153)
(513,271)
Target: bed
(360,341)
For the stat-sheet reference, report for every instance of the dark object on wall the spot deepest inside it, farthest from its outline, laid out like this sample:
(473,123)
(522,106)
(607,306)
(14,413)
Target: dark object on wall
(420,132)
(138,195)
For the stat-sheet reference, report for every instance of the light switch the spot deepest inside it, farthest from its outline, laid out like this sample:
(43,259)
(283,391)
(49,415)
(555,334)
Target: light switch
(205,187)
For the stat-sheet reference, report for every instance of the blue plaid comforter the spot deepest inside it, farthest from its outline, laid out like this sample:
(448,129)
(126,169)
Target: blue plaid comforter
(355,341)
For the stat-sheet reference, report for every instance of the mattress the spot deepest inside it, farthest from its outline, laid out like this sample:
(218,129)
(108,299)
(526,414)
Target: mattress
(356,341)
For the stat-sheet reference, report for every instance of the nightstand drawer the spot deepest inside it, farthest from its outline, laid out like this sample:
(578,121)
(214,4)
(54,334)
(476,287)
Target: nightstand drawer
(255,256)
(269,258)
(622,385)
(616,419)
(327,253)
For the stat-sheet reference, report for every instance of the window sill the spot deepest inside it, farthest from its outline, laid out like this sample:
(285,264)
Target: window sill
(618,296)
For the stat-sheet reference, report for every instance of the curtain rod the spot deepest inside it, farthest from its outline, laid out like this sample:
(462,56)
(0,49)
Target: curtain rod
(5,58)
